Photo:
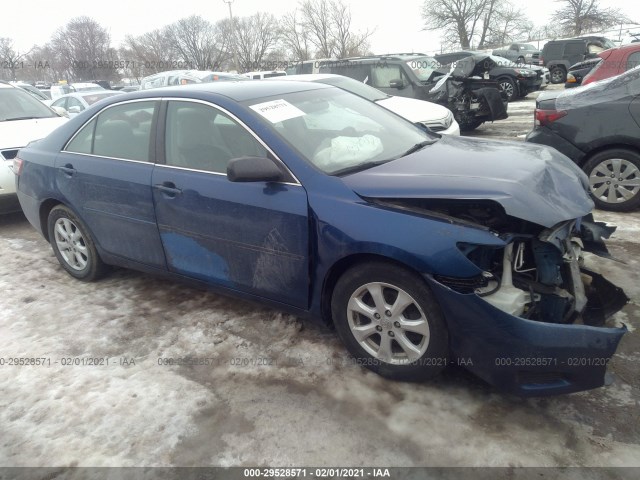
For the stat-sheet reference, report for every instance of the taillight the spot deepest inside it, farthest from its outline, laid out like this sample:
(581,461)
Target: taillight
(545,117)
(17,165)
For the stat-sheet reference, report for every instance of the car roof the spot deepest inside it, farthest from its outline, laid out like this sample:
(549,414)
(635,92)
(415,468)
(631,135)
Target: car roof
(235,90)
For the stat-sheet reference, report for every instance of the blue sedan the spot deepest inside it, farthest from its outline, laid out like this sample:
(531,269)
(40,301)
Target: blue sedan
(422,250)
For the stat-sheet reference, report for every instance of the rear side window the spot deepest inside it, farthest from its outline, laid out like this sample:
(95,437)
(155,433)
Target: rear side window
(574,48)
(122,131)
(553,50)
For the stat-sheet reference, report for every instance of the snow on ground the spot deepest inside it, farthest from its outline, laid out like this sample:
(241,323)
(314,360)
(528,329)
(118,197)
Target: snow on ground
(275,390)
(279,391)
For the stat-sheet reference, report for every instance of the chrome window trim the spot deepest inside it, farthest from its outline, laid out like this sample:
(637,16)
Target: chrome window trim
(110,158)
(241,123)
(162,165)
(135,100)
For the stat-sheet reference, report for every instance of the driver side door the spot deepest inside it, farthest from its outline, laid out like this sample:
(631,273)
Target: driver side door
(251,237)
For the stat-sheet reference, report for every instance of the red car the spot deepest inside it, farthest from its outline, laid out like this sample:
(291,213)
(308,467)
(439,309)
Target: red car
(614,62)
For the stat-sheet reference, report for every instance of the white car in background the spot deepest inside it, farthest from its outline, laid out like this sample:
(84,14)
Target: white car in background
(72,104)
(438,118)
(23,119)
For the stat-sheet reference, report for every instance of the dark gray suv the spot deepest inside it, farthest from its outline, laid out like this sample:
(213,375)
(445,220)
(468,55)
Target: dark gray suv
(559,55)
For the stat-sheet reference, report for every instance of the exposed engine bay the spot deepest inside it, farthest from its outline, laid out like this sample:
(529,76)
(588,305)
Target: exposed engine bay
(540,274)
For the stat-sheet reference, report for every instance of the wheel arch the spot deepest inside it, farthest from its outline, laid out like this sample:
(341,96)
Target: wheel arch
(608,146)
(45,209)
(344,264)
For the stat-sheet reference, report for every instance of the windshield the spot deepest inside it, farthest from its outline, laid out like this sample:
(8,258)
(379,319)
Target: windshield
(16,104)
(354,86)
(337,131)
(423,67)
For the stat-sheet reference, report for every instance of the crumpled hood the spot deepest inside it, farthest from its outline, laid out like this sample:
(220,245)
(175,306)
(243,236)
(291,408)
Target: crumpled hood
(18,133)
(532,182)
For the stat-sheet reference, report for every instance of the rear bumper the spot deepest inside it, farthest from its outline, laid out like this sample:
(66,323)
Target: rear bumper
(544,136)
(524,357)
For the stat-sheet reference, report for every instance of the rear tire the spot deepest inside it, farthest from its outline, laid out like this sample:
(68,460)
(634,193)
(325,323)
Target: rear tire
(614,179)
(73,245)
(390,322)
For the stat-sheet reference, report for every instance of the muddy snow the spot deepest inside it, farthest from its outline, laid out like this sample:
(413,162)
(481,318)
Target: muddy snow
(144,371)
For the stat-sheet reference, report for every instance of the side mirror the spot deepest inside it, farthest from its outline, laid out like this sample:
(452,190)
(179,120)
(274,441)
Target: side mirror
(396,83)
(253,169)
(60,111)
(75,109)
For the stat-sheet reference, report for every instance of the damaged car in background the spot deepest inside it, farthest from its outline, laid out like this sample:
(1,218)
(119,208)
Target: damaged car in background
(423,250)
(466,90)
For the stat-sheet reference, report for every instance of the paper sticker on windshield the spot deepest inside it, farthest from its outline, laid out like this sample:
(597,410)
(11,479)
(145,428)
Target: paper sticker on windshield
(277,110)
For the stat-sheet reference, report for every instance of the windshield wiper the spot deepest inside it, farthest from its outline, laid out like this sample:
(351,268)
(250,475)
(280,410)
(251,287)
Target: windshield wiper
(358,168)
(417,146)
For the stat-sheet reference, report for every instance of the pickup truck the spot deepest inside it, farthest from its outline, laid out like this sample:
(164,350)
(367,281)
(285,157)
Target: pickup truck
(519,53)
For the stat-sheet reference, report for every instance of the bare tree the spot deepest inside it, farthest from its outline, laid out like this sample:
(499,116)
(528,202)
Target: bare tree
(294,37)
(317,23)
(322,29)
(580,16)
(346,42)
(199,43)
(149,53)
(255,37)
(10,58)
(459,19)
(85,47)
(506,24)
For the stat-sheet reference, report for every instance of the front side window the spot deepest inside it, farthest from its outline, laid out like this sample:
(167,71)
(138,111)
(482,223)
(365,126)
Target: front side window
(121,131)
(201,137)
(382,75)
(423,67)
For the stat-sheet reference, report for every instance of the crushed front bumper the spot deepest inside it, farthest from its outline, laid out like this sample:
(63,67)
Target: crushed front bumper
(525,357)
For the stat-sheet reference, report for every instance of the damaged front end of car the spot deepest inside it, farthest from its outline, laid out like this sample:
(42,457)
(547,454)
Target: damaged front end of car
(533,321)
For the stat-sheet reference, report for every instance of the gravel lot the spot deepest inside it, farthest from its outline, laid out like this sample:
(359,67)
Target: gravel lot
(278,391)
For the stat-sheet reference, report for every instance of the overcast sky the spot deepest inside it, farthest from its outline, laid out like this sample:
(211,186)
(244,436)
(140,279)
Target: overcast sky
(398,25)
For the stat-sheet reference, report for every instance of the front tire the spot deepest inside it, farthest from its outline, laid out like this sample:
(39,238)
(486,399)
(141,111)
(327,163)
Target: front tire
(509,87)
(73,245)
(390,322)
(614,179)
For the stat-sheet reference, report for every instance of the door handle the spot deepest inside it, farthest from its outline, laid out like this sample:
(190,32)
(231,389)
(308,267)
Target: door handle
(168,188)
(68,169)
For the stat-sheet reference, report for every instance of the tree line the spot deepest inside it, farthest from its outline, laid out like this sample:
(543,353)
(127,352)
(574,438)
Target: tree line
(490,23)
(82,49)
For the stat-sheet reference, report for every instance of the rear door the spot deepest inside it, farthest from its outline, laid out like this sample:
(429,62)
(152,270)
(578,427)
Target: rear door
(252,237)
(105,173)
